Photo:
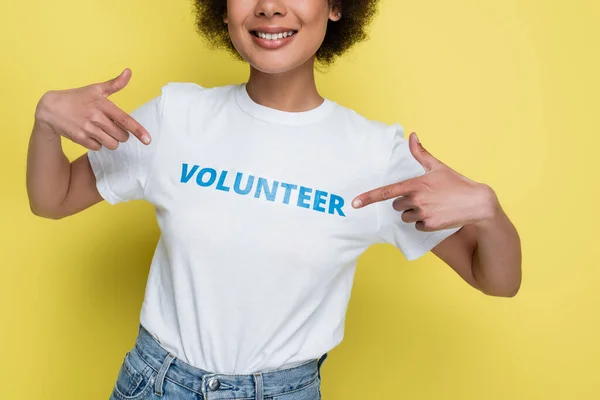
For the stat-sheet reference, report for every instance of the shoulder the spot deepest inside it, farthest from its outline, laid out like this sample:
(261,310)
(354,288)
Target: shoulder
(370,130)
(180,100)
(187,91)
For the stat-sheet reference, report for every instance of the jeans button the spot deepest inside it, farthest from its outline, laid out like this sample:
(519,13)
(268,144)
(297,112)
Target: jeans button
(214,384)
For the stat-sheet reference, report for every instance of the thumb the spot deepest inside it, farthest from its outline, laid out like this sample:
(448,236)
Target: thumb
(114,85)
(420,154)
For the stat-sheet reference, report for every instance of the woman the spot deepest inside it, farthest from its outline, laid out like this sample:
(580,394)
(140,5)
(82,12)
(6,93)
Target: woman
(253,186)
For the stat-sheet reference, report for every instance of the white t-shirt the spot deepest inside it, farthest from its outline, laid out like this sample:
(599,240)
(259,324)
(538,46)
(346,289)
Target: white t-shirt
(259,241)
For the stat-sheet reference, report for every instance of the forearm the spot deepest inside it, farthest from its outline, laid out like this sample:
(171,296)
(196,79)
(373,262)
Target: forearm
(48,169)
(497,256)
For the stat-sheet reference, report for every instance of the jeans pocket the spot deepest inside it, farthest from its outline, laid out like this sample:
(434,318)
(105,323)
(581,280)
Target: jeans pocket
(135,378)
(311,391)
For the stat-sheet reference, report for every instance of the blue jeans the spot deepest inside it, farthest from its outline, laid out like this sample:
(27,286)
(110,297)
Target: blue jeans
(151,372)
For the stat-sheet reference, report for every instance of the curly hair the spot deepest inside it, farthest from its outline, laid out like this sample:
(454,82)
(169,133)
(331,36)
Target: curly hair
(340,35)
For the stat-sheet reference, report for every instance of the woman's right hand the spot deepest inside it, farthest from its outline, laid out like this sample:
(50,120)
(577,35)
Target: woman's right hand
(85,116)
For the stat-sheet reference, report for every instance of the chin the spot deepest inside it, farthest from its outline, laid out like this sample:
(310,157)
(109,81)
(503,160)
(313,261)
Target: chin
(274,66)
(273,61)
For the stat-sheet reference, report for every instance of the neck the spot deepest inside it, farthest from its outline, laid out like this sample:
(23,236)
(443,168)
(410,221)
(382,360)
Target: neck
(293,90)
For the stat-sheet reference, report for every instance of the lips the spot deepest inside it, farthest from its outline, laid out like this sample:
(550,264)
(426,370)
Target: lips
(273,29)
(273,37)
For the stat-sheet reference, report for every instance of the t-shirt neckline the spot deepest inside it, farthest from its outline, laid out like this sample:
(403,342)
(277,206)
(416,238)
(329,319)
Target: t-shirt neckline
(273,115)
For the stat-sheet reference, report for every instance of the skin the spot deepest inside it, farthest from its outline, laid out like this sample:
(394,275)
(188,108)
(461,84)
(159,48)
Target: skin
(485,252)
(284,78)
(56,187)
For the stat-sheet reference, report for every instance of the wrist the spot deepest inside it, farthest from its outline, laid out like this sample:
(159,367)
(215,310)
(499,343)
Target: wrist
(491,209)
(42,117)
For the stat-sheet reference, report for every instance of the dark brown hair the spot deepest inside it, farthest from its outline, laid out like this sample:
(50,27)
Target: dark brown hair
(340,36)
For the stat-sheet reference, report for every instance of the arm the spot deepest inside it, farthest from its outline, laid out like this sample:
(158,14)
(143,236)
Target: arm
(487,253)
(486,250)
(56,187)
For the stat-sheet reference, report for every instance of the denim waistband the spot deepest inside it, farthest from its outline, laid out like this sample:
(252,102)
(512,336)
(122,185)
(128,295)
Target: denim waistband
(216,386)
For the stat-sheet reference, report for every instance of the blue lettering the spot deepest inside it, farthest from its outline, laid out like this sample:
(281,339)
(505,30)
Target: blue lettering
(238,180)
(185,175)
(211,180)
(288,190)
(336,204)
(265,189)
(220,184)
(319,200)
(302,196)
(269,194)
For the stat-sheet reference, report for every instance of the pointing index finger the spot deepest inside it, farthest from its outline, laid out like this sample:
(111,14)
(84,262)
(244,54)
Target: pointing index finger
(127,122)
(384,193)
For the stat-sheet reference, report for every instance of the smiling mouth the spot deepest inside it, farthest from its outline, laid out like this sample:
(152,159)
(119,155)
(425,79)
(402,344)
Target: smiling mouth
(273,36)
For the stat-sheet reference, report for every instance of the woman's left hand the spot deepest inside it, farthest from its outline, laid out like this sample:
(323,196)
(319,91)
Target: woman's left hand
(440,199)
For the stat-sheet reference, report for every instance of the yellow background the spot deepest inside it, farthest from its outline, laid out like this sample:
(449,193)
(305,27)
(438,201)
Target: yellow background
(505,92)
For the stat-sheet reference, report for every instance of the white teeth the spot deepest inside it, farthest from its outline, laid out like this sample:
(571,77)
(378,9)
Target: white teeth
(274,36)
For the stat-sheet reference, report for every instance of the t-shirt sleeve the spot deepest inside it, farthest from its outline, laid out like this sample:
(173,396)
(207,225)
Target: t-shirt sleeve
(401,166)
(121,174)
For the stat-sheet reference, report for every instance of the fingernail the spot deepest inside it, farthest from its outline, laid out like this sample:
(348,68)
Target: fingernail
(416,137)
(145,139)
(356,203)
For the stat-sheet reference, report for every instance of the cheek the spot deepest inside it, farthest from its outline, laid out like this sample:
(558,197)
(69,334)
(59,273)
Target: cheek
(315,25)
(240,38)
(236,18)
(314,36)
